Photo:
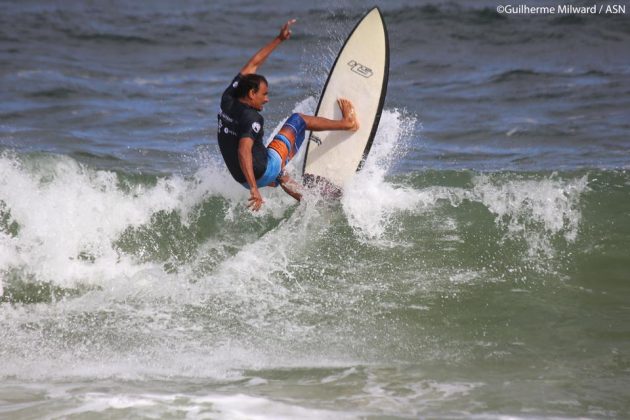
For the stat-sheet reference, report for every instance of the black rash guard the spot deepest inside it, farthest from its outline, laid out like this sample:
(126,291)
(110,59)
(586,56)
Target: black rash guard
(237,121)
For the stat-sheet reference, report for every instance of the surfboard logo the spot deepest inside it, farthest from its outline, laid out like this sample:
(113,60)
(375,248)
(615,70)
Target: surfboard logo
(360,69)
(315,140)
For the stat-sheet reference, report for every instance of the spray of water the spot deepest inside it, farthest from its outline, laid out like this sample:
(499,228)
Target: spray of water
(370,201)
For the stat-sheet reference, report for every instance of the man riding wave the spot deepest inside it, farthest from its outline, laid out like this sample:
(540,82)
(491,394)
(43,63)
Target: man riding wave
(241,129)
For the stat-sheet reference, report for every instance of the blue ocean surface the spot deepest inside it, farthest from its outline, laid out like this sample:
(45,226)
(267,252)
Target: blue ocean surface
(476,267)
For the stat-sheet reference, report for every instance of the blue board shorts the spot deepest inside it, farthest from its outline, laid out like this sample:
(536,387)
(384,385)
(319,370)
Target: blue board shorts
(281,150)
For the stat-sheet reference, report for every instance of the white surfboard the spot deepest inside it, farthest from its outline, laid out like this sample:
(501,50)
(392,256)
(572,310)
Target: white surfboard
(360,74)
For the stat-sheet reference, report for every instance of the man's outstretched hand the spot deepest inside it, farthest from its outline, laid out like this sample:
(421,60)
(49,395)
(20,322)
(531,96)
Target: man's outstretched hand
(285,31)
(255,200)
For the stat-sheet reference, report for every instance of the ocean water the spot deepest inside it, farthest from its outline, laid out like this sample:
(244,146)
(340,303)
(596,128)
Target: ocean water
(477,267)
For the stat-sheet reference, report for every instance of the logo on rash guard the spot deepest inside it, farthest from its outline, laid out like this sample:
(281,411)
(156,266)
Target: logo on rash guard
(256,127)
(234,85)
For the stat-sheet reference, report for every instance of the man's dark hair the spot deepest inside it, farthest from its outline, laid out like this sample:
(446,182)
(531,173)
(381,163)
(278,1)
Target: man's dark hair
(249,82)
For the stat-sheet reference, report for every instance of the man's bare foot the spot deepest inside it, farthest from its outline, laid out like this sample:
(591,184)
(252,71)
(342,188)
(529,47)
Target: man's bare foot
(348,113)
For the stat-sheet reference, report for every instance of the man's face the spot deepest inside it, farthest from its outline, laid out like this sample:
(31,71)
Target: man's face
(260,98)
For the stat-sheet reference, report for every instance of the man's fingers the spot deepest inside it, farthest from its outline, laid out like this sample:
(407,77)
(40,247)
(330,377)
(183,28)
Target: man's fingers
(255,203)
(285,32)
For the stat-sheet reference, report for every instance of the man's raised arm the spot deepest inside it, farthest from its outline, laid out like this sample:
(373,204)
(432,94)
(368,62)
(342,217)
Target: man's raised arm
(259,58)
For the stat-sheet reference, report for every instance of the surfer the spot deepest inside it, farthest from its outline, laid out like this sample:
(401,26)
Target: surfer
(240,129)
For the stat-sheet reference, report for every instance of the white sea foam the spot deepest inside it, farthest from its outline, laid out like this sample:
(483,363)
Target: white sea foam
(534,210)
(190,405)
(70,216)
(369,201)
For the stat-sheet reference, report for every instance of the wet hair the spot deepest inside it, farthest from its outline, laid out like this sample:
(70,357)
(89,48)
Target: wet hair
(247,83)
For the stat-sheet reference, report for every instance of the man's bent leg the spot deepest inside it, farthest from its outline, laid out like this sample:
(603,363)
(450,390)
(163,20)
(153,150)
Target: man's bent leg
(289,139)
(290,186)
(347,122)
